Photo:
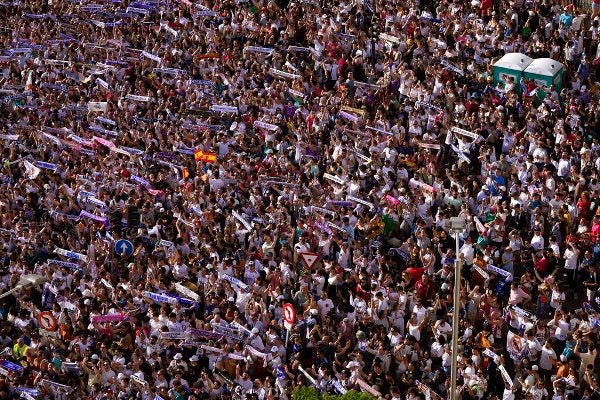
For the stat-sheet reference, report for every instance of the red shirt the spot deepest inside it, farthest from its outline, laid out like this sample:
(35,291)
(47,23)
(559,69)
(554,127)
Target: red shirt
(424,289)
(595,232)
(541,265)
(416,273)
(342,65)
(583,206)
(485,6)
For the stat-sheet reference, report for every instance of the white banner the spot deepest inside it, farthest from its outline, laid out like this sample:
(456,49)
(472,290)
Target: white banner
(429,146)
(187,292)
(460,154)
(97,106)
(389,38)
(333,178)
(139,380)
(102,83)
(298,48)
(235,281)
(224,108)
(297,93)
(265,125)
(364,158)
(334,226)
(452,67)
(241,220)
(348,116)
(282,74)
(211,348)
(106,283)
(310,378)
(465,133)
(379,130)
(479,225)
(366,85)
(257,49)
(505,375)
(368,388)
(151,56)
(120,151)
(489,353)
(174,335)
(71,254)
(360,201)
(499,271)
(421,185)
(255,352)
(481,272)
(138,98)
(322,210)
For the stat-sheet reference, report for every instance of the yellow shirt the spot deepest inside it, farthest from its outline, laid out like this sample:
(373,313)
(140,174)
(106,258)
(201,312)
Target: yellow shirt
(19,351)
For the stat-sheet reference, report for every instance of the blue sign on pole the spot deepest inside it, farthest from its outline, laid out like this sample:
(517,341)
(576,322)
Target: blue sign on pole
(124,246)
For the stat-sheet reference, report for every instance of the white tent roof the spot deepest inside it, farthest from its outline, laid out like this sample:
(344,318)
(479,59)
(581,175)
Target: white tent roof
(518,61)
(544,66)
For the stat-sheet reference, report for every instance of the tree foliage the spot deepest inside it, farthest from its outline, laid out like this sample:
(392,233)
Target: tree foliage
(310,393)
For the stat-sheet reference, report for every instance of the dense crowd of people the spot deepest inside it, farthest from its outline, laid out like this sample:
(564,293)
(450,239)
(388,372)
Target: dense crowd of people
(177,172)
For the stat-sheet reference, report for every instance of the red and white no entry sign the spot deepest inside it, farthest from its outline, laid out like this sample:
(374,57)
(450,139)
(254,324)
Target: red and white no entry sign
(47,321)
(289,313)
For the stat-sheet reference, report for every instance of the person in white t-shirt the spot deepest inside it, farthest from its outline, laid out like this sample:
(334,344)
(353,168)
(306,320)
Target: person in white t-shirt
(442,328)
(420,311)
(325,304)
(571,257)
(557,298)
(509,392)
(538,391)
(537,241)
(547,359)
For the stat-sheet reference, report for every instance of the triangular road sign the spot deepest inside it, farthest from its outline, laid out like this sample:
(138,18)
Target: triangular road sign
(309,259)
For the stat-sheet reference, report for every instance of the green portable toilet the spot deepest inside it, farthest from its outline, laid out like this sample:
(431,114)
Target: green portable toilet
(511,65)
(544,72)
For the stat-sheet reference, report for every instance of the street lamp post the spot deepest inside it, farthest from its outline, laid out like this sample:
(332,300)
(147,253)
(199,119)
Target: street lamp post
(457,225)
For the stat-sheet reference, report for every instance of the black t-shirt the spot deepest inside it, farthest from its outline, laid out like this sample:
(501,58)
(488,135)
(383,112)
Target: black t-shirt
(378,378)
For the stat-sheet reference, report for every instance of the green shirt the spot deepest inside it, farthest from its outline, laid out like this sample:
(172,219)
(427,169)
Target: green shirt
(388,224)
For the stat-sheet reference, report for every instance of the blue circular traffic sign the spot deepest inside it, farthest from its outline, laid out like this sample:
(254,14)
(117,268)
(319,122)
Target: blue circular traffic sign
(124,246)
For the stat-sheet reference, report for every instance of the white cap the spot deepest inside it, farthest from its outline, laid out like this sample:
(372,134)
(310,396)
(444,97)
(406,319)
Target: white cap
(352,364)
(178,356)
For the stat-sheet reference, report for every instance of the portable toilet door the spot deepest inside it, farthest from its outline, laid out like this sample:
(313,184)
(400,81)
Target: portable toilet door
(545,72)
(511,65)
